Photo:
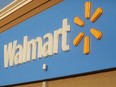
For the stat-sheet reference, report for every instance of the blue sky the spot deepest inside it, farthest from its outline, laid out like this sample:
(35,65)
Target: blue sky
(4,3)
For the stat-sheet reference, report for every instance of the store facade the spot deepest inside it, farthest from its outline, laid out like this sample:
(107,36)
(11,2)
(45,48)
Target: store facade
(57,41)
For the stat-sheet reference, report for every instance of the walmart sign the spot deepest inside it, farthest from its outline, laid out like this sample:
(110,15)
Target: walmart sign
(70,38)
(17,54)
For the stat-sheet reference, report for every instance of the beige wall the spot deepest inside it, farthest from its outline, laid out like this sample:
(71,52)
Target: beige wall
(25,13)
(102,79)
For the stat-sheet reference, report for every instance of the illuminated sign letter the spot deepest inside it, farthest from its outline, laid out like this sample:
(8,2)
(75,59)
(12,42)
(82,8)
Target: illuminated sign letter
(9,53)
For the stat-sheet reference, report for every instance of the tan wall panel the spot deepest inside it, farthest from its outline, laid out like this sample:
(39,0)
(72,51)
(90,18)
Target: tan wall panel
(103,79)
(21,11)
(26,12)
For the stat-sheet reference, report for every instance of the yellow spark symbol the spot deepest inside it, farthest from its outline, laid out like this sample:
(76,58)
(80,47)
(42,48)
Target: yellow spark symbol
(95,32)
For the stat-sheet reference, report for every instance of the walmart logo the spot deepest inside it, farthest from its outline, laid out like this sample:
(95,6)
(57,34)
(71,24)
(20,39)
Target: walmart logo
(95,32)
